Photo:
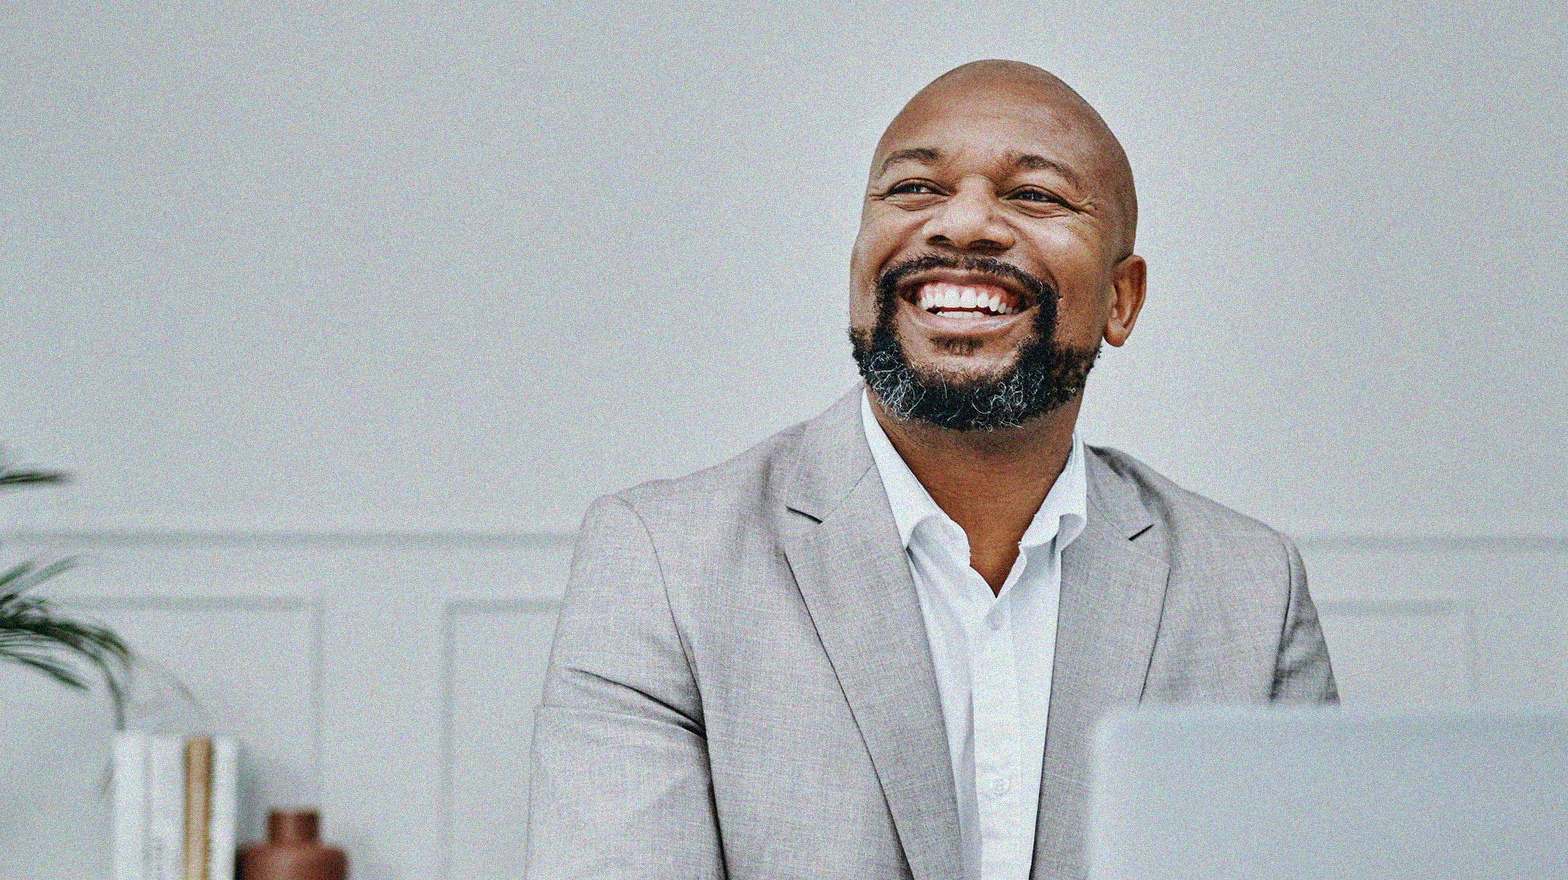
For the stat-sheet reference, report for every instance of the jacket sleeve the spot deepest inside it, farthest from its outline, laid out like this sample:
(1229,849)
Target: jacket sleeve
(619,781)
(1302,672)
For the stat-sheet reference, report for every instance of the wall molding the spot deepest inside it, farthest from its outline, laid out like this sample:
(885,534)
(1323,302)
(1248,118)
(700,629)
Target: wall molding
(453,611)
(1381,540)
(1367,537)
(1357,606)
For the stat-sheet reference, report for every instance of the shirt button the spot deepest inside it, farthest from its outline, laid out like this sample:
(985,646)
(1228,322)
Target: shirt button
(1000,786)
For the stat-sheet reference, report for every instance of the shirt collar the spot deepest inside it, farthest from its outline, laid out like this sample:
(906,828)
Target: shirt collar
(1061,516)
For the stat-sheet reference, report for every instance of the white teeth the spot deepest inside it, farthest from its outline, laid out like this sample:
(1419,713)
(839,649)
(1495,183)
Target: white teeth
(940,296)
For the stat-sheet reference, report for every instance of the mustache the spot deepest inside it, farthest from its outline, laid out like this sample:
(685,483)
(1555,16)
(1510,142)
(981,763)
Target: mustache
(1038,289)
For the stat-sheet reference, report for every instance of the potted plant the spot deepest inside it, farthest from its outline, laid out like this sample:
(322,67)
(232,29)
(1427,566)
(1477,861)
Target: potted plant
(36,633)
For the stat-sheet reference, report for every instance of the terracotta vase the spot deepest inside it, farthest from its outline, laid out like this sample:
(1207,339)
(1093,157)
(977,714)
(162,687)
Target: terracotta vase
(293,851)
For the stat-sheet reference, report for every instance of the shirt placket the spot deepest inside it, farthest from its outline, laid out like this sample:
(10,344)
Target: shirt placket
(997,735)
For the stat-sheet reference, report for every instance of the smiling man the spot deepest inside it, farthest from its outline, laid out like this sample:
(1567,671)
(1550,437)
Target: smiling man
(874,646)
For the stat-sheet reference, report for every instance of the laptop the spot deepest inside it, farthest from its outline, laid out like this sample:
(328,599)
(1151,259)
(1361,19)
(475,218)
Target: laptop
(1333,793)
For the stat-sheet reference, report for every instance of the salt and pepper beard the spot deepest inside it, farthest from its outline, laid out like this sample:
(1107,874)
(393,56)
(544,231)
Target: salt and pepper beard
(1043,376)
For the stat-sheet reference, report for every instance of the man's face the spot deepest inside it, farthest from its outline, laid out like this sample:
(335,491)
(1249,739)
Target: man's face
(991,259)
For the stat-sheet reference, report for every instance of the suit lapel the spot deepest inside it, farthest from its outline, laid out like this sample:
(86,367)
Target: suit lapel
(848,562)
(1113,593)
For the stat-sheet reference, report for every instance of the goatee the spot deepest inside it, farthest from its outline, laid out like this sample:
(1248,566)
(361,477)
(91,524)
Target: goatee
(1043,376)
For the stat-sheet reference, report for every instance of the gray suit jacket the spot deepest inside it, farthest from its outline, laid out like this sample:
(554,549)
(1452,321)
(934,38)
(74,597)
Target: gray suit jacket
(741,684)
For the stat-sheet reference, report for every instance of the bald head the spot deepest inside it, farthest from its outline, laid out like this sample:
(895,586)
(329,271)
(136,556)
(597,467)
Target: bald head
(1060,109)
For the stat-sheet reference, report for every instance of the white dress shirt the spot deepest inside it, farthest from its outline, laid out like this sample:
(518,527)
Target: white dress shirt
(993,652)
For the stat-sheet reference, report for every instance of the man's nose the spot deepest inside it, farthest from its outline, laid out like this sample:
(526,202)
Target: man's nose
(969,219)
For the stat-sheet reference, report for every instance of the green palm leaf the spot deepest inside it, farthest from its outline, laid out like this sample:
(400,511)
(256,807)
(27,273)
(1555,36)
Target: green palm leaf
(10,478)
(36,634)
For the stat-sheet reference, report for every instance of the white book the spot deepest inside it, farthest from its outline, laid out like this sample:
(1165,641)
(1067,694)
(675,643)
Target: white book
(130,805)
(223,826)
(165,843)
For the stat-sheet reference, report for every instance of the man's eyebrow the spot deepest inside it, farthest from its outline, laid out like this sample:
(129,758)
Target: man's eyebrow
(1032,162)
(913,154)
(1025,161)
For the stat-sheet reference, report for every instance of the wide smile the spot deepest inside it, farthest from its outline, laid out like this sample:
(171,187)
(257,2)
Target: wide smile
(950,302)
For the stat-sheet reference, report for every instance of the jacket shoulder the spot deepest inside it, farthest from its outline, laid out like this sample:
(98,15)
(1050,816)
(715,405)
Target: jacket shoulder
(749,482)
(1123,482)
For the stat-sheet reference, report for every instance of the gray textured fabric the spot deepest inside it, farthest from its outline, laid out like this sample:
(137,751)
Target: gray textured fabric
(741,684)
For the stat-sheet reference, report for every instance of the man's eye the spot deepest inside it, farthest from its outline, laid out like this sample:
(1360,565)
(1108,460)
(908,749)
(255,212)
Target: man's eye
(1034,195)
(912,188)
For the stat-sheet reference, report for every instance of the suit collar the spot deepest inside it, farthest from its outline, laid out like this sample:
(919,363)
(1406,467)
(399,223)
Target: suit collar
(834,458)
(850,566)
(1060,517)
(832,461)
(1112,601)
(1115,498)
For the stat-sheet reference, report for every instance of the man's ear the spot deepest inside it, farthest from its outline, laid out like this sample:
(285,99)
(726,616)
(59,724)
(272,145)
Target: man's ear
(1128,285)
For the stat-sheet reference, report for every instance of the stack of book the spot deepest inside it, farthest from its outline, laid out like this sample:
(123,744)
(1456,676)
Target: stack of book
(175,806)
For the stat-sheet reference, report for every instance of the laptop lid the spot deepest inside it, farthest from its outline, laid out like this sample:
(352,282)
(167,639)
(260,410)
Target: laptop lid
(1348,794)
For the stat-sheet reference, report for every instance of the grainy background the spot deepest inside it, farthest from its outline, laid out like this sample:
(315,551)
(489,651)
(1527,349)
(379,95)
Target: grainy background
(340,314)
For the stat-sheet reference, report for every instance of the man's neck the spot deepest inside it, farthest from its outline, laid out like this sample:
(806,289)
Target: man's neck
(990,483)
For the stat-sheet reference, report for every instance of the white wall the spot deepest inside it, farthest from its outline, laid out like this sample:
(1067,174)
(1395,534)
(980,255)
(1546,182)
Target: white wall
(340,316)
